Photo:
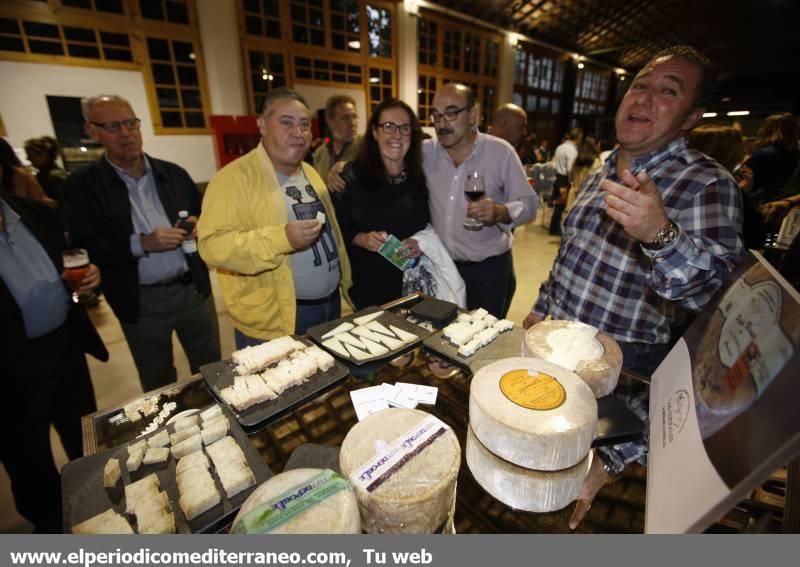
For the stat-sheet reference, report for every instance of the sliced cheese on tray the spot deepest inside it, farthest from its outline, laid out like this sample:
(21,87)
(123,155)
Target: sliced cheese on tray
(367,333)
(309,501)
(593,355)
(521,488)
(349,339)
(336,346)
(338,329)
(379,328)
(375,349)
(108,522)
(393,344)
(357,353)
(404,336)
(364,319)
(418,494)
(533,413)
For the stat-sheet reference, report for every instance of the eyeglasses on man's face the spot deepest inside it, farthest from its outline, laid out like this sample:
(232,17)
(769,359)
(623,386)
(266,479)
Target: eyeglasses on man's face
(131,124)
(391,128)
(448,115)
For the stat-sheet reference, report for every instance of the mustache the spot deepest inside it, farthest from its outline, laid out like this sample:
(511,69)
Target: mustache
(444,131)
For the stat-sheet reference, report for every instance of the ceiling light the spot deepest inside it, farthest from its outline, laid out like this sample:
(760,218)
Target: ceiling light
(354,44)
(419,91)
(83,149)
(581,65)
(374,80)
(738,113)
(726,99)
(622,78)
(709,115)
(192,56)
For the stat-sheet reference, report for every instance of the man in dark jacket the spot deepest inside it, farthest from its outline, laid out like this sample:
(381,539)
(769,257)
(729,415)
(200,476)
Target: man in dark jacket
(124,210)
(45,336)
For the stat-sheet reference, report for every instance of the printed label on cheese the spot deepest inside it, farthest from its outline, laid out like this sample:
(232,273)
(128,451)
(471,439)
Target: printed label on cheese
(293,502)
(381,467)
(572,345)
(533,389)
(752,341)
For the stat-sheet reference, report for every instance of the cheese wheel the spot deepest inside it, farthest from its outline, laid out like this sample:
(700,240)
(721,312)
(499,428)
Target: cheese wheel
(533,413)
(337,514)
(591,354)
(521,488)
(416,497)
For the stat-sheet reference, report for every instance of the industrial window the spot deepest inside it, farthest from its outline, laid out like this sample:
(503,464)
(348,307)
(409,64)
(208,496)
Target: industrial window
(381,86)
(308,26)
(379,31)
(176,81)
(345,25)
(267,72)
(262,18)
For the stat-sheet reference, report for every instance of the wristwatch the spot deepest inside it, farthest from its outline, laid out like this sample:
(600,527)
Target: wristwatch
(665,236)
(612,464)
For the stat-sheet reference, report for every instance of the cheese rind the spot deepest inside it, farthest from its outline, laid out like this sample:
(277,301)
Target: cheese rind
(521,488)
(419,495)
(547,439)
(337,514)
(555,341)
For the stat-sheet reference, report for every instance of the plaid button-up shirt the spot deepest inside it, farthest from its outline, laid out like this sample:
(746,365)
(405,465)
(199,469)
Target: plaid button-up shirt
(604,278)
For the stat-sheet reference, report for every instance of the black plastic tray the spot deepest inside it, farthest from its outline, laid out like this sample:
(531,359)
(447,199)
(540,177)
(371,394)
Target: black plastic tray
(507,345)
(386,318)
(219,375)
(84,496)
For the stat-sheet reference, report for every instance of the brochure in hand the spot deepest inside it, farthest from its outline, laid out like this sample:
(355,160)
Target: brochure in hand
(389,250)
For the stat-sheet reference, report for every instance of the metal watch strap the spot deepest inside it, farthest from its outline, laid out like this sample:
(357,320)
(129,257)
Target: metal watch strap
(612,463)
(665,236)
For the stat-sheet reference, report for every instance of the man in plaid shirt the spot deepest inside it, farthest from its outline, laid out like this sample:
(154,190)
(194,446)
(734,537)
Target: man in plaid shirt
(655,228)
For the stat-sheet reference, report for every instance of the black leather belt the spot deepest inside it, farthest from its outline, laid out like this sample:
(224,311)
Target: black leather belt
(320,301)
(183,279)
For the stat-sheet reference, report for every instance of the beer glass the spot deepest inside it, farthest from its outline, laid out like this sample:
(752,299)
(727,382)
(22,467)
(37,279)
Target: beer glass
(76,266)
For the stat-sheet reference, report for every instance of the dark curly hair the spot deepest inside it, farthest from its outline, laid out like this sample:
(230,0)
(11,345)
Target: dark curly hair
(370,155)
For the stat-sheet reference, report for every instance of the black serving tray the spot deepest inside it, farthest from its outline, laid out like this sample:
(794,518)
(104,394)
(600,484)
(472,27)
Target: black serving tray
(84,496)
(219,375)
(386,318)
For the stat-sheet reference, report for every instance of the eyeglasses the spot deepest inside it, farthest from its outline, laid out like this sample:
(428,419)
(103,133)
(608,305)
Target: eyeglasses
(131,124)
(391,128)
(448,115)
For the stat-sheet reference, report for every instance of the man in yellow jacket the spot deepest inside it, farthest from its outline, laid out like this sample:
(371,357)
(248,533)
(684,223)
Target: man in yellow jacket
(280,263)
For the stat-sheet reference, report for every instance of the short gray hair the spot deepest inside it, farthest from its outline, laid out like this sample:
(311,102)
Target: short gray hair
(280,94)
(89,101)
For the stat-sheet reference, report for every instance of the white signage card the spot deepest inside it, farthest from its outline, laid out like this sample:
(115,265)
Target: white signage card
(723,404)
(419,393)
(368,401)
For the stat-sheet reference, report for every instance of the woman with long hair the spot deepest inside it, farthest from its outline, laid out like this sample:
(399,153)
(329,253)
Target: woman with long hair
(385,196)
(43,153)
(726,145)
(15,179)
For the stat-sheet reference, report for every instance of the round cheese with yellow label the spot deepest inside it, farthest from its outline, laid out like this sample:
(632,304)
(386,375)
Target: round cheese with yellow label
(521,488)
(403,465)
(591,354)
(533,413)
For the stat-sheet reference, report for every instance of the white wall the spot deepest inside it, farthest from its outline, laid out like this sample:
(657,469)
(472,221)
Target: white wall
(407,80)
(23,104)
(316,97)
(220,39)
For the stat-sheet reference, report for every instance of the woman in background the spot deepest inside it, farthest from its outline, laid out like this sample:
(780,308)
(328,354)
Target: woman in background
(385,195)
(42,153)
(775,156)
(725,144)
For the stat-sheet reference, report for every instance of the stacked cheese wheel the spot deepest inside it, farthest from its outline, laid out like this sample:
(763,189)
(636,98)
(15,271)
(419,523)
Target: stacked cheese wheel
(588,352)
(415,496)
(531,428)
(337,513)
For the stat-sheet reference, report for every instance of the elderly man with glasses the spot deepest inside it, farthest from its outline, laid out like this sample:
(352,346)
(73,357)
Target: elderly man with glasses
(124,209)
(482,253)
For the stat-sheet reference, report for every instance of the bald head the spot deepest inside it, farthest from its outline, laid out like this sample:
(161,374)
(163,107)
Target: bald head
(510,123)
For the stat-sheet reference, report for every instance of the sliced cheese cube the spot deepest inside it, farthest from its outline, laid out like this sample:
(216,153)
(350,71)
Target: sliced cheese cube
(111,473)
(155,455)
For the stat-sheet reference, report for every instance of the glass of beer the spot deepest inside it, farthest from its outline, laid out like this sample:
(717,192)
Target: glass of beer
(76,266)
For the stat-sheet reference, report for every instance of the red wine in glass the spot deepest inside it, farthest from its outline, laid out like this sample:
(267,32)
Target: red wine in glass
(474,189)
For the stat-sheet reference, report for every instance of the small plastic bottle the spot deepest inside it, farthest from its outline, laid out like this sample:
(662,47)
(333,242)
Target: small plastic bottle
(189,246)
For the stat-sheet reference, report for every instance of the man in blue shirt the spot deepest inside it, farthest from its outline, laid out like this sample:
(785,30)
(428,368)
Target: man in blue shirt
(46,378)
(124,210)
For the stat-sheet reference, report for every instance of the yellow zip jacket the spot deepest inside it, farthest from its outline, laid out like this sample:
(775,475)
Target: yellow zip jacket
(241,233)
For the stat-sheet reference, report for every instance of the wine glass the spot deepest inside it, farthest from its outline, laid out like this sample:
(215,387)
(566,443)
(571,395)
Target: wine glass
(474,189)
(76,266)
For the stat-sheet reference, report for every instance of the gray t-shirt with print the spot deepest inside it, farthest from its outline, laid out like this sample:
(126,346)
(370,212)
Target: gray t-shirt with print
(316,269)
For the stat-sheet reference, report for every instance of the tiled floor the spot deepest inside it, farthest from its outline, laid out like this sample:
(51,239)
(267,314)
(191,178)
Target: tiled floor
(116,382)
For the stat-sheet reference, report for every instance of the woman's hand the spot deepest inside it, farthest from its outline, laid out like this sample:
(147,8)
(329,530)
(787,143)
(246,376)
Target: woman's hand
(371,241)
(409,249)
